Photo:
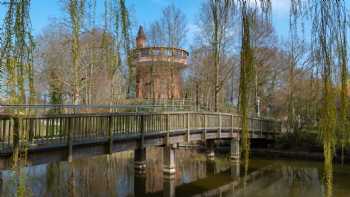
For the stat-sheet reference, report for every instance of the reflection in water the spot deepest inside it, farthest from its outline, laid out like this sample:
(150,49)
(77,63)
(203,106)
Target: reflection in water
(114,175)
(139,185)
(328,177)
(169,187)
(210,167)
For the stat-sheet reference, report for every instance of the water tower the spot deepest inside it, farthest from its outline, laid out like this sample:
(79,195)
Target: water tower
(158,69)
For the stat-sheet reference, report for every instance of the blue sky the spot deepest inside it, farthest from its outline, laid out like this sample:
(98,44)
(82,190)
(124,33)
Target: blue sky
(146,11)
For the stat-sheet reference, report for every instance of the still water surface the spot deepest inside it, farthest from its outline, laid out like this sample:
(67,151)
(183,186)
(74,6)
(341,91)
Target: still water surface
(195,176)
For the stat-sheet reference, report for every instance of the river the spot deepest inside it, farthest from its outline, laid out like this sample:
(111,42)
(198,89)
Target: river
(113,175)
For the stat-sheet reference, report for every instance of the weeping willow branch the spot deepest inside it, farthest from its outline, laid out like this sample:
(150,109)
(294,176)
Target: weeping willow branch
(341,17)
(16,57)
(248,10)
(125,23)
(293,28)
(246,76)
(328,19)
(7,54)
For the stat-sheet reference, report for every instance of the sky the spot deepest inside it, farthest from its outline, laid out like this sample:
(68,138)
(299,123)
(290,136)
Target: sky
(146,11)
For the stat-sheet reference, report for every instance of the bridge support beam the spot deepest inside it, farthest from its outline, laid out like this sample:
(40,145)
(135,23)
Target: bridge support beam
(140,160)
(234,150)
(169,160)
(139,185)
(1,183)
(5,163)
(169,186)
(70,140)
(210,146)
(235,170)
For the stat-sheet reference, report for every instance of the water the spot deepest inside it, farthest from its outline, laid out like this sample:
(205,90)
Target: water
(195,176)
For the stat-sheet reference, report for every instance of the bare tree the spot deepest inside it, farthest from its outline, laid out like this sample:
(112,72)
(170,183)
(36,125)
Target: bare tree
(174,26)
(54,62)
(170,30)
(155,35)
(75,10)
(214,40)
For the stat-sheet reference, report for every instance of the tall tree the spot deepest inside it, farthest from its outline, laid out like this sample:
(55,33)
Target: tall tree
(76,13)
(248,9)
(296,52)
(246,77)
(220,12)
(214,37)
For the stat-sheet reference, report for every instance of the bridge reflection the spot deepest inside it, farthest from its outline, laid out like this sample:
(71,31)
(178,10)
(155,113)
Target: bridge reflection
(112,175)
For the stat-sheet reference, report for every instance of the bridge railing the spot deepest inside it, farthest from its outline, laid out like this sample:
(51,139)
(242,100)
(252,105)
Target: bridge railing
(31,131)
(6,125)
(145,105)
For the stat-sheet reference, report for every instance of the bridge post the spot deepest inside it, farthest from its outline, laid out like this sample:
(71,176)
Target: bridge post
(16,135)
(235,169)
(139,185)
(188,127)
(1,182)
(210,145)
(70,139)
(169,160)
(232,125)
(31,130)
(235,152)
(110,135)
(220,125)
(167,128)
(140,160)
(260,126)
(140,152)
(169,186)
(204,136)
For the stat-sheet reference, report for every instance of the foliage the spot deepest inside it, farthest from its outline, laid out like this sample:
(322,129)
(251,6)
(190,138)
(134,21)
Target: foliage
(247,66)
(16,55)
(329,55)
(303,140)
(125,24)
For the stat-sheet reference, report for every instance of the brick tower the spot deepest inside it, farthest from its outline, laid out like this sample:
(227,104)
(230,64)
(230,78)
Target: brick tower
(158,69)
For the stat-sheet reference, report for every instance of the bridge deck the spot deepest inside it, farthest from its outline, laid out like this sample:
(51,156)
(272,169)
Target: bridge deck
(121,131)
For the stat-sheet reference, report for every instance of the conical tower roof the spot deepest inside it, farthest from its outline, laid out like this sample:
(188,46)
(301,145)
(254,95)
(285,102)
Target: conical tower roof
(141,33)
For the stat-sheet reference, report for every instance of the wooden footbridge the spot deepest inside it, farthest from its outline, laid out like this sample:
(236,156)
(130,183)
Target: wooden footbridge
(47,138)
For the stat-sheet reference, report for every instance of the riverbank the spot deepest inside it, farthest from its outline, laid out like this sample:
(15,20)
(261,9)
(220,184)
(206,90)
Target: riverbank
(296,154)
(287,154)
